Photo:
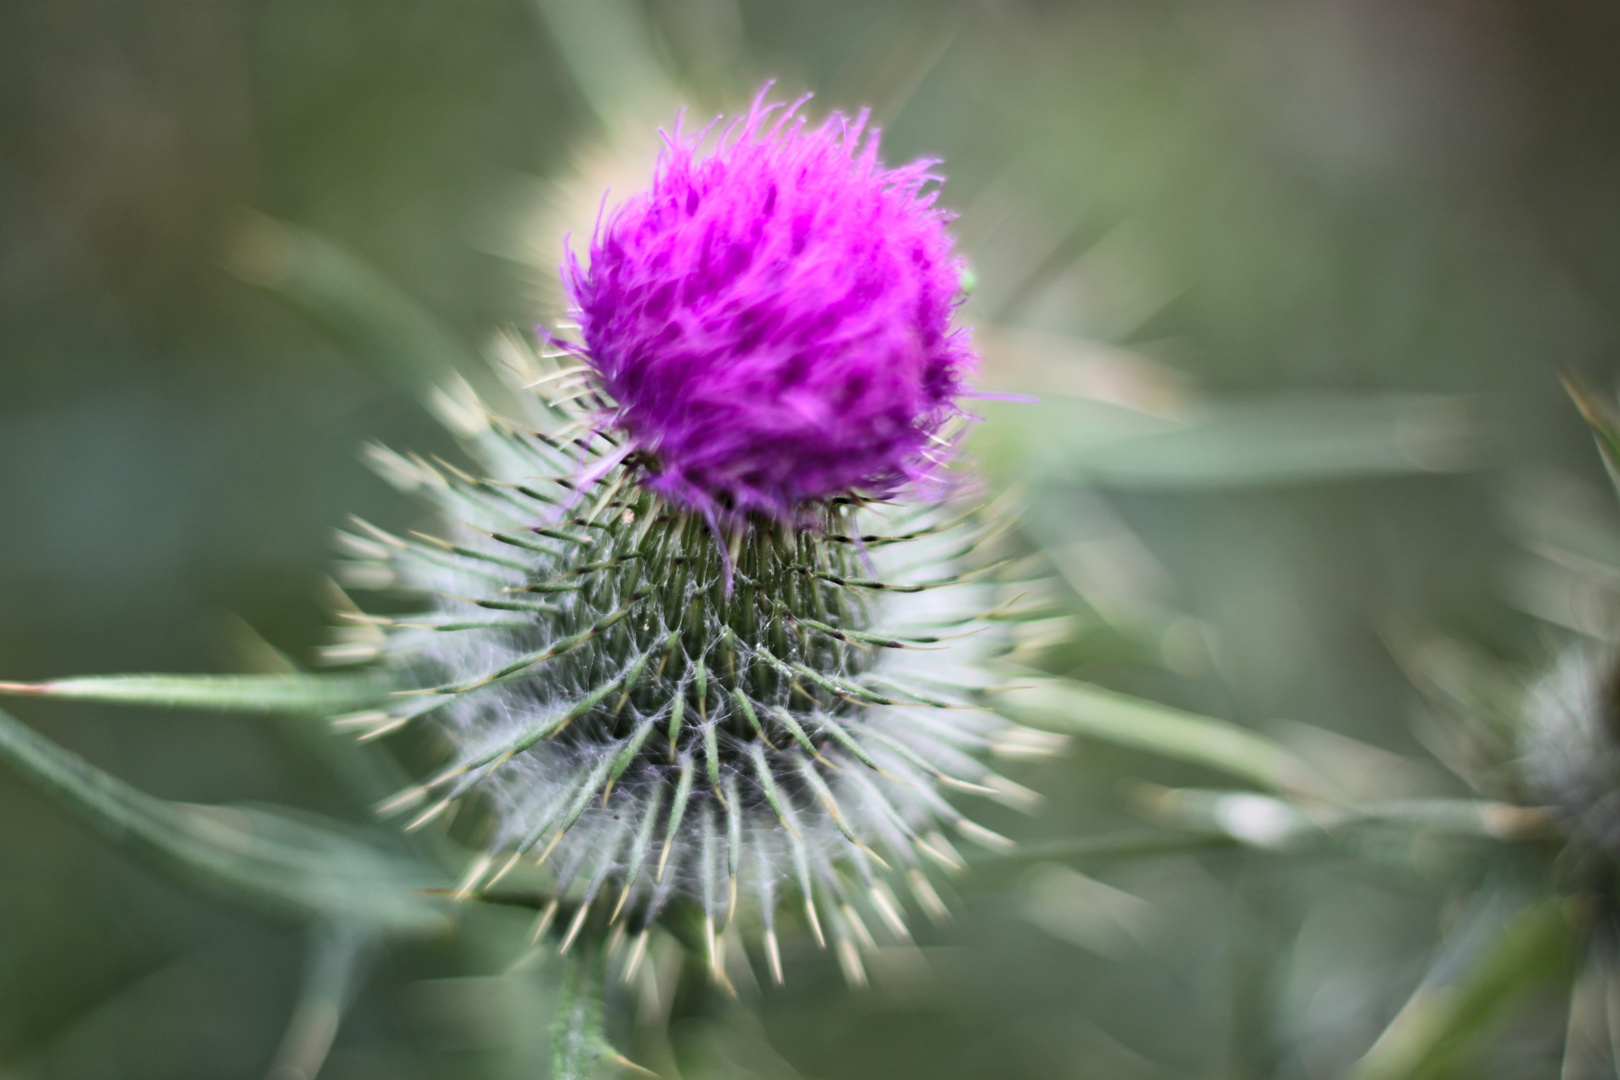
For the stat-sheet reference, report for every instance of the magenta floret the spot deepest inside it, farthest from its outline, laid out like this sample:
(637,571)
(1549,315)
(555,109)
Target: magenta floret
(773,319)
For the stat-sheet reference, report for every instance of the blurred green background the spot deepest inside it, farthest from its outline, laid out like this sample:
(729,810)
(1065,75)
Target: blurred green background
(1260,212)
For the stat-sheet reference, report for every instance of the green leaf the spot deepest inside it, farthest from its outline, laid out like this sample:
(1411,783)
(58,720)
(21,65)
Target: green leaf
(1267,822)
(1287,440)
(276,860)
(1203,832)
(1090,711)
(1104,850)
(1446,1017)
(321,695)
(1466,817)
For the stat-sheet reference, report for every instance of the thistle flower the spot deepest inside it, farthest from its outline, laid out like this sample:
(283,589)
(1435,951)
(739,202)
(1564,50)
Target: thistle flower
(772,321)
(686,660)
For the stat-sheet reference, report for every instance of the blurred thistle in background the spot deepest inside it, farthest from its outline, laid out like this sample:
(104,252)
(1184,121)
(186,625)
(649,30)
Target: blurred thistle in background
(1277,273)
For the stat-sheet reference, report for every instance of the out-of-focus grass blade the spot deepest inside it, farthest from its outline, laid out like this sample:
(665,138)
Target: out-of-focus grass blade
(1475,703)
(1444,1018)
(318,694)
(1259,821)
(337,956)
(1267,822)
(607,47)
(1103,850)
(292,865)
(1068,643)
(1570,574)
(366,775)
(1058,437)
(1277,441)
(1092,712)
(1466,817)
(1580,600)
(371,315)
(1566,522)
(1602,417)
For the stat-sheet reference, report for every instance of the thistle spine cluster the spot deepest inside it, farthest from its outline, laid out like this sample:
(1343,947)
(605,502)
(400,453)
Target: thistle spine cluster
(659,741)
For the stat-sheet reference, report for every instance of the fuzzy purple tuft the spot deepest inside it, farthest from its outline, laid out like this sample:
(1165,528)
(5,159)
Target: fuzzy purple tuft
(772,320)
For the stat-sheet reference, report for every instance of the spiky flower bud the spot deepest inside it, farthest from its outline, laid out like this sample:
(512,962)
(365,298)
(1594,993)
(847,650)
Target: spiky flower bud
(684,657)
(1569,744)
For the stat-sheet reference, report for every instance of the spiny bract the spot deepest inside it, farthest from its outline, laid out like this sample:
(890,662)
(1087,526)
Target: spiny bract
(654,738)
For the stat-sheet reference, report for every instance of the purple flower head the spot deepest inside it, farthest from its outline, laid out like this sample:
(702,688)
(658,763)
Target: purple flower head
(772,318)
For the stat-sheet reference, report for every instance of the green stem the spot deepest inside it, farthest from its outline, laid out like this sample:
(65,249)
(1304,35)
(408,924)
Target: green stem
(576,1033)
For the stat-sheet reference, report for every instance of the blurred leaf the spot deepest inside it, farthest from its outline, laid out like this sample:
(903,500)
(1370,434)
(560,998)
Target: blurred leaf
(1466,817)
(1092,712)
(1567,522)
(1570,574)
(1076,643)
(367,776)
(1601,416)
(1058,437)
(1022,361)
(1442,1021)
(315,694)
(337,956)
(1460,678)
(1278,441)
(1083,911)
(607,47)
(1473,723)
(1577,600)
(1364,772)
(1266,822)
(1103,850)
(402,342)
(295,865)
(1259,821)
(1115,609)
